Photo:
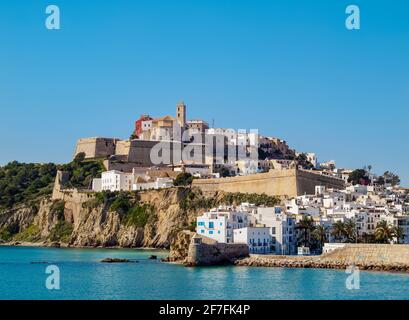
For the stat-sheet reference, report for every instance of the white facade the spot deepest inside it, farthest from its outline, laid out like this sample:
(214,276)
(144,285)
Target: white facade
(160,183)
(97,184)
(219,225)
(257,238)
(120,181)
(116,181)
(282,229)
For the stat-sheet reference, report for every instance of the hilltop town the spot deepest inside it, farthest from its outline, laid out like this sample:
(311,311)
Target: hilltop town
(160,148)
(202,192)
(321,205)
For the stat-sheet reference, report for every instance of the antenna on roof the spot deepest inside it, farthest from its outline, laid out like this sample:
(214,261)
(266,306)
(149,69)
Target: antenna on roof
(212,123)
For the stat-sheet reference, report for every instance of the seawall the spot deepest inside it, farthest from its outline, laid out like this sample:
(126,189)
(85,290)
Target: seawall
(207,252)
(375,257)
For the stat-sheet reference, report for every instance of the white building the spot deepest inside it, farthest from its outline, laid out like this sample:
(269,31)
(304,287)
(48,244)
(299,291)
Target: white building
(282,229)
(219,225)
(97,184)
(257,238)
(116,181)
(120,181)
(247,166)
(160,183)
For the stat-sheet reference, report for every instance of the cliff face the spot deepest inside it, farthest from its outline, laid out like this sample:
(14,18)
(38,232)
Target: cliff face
(103,227)
(74,222)
(152,218)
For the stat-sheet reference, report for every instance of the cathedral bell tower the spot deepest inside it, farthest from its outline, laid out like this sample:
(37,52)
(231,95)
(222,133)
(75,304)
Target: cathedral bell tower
(181,114)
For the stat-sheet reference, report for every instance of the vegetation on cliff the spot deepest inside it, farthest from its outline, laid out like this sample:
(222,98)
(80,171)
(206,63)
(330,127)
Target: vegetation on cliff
(21,182)
(195,200)
(82,171)
(25,183)
(183,179)
(126,204)
(61,232)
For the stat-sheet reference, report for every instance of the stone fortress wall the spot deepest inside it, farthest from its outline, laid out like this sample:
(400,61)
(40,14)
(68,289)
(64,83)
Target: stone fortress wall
(96,147)
(371,253)
(282,183)
(128,151)
(204,251)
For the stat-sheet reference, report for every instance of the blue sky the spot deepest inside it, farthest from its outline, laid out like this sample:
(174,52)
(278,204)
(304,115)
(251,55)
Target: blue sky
(289,68)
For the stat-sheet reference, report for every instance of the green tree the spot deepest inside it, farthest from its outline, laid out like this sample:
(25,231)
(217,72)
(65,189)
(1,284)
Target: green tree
(358,176)
(183,179)
(383,232)
(320,234)
(303,161)
(338,230)
(350,231)
(397,232)
(305,225)
(391,178)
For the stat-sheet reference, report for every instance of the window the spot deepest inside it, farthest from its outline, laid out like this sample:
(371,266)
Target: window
(210,232)
(201,224)
(211,225)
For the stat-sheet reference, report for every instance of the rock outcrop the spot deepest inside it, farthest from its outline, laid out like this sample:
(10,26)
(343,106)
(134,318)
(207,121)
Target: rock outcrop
(100,226)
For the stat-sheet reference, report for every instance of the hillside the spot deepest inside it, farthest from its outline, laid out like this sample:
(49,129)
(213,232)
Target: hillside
(125,219)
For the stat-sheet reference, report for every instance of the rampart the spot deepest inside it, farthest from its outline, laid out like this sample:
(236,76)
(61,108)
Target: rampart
(283,183)
(96,147)
(206,252)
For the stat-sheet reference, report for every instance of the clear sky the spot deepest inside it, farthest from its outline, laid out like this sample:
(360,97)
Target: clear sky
(289,68)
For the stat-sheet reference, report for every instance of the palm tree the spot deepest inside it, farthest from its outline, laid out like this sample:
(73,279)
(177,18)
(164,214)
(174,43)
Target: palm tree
(338,230)
(350,231)
(383,232)
(320,234)
(305,225)
(397,232)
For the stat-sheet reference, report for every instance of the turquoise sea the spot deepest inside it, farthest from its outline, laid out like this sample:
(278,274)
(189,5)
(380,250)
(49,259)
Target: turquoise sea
(82,276)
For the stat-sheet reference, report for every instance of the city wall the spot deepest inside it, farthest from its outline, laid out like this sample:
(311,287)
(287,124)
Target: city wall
(283,183)
(206,252)
(96,147)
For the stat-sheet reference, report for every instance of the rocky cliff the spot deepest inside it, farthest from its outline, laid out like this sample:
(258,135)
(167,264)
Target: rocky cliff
(145,219)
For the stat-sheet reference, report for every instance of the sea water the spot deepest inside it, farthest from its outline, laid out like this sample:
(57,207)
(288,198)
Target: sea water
(83,276)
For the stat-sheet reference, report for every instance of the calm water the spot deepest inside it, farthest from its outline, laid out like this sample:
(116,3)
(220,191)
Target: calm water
(84,277)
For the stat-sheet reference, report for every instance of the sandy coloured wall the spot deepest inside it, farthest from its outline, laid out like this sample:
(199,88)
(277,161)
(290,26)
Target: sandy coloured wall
(283,183)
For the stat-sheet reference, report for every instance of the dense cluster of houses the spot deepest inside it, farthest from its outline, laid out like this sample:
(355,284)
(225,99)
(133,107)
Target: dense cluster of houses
(280,229)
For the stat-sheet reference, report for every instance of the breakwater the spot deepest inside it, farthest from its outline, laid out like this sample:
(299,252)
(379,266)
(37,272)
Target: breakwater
(391,258)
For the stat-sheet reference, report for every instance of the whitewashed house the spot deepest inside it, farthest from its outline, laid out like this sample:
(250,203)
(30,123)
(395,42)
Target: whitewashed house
(282,229)
(219,225)
(257,238)
(115,181)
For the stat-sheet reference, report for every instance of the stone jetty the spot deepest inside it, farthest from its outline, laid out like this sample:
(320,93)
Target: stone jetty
(390,258)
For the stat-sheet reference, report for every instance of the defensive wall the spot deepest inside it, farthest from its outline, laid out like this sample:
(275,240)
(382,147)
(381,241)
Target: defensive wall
(96,147)
(282,183)
(204,251)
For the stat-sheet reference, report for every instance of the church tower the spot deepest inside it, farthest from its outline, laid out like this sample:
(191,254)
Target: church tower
(181,114)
